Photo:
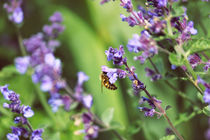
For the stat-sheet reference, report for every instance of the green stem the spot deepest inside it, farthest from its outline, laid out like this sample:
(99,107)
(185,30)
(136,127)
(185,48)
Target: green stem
(194,83)
(165,115)
(29,126)
(45,104)
(169,29)
(173,128)
(20,42)
(193,76)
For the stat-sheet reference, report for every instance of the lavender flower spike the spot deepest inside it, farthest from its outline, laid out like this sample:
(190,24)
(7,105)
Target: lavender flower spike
(14,10)
(116,55)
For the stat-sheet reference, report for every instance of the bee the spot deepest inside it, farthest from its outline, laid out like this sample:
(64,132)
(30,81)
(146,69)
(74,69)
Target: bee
(105,82)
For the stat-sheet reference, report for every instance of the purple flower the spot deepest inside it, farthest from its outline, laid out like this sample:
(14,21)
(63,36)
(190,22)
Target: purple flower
(67,101)
(53,44)
(36,134)
(21,119)
(87,118)
(186,30)
(16,130)
(158,3)
(142,43)
(127,4)
(104,1)
(207,66)
(34,42)
(87,101)
(206,96)
(157,26)
(82,77)
(113,74)
(148,112)
(11,136)
(56,17)
(173,67)
(136,18)
(116,55)
(22,64)
(24,111)
(52,31)
(151,73)
(47,83)
(55,102)
(14,11)
(194,60)
(137,86)
(91,132)
(4,90)
(27,112)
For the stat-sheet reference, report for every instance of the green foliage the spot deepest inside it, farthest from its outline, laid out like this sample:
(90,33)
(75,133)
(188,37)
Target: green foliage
(197,45)
(176,59)
(107,116)
(169,137)
(206,111)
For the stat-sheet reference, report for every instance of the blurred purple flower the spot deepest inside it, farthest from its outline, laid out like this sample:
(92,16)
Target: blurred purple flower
(56,17)
(151,73)
(91,132)
(142,43)
(87,101)
(22,64)
(55,102)
(15,13)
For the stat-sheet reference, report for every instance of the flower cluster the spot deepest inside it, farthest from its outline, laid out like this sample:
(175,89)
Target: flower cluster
(14,10)
(24,112)
(90,130)
(149,112)
(151,73)
(47,68)
(113,74)
(86,100)
(144,44)
(116,55)
(194,60)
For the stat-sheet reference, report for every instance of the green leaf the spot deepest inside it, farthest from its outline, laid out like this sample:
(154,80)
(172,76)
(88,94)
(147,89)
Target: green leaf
(8,71)
(21,84)
(175,59)
(197,45)
(206,111)
(200,97)
(107,116)
(116,125)
(169,137)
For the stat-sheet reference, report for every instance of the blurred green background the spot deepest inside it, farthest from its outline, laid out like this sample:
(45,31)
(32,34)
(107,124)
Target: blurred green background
(90,29)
